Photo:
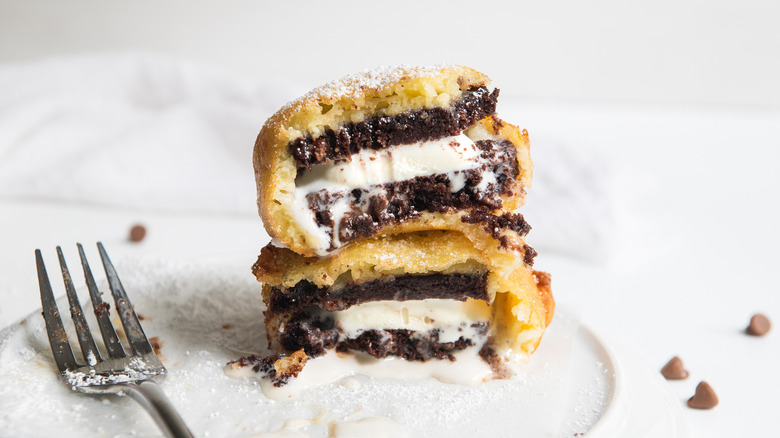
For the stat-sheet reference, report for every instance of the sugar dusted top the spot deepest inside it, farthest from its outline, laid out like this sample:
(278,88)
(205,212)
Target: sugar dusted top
(377,78)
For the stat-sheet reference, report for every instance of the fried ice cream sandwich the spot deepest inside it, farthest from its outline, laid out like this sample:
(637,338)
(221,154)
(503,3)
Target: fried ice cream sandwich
(384,152)
(390,197)
(419,296)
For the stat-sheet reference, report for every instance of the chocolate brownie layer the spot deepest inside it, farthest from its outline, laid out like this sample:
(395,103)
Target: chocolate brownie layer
(372,208)
(405,128)
(317,336)
(402,288)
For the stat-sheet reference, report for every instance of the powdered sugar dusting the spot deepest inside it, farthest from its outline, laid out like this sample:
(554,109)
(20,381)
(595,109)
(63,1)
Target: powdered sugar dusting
(351,86)
(137,370)
(376,427)
(377,78)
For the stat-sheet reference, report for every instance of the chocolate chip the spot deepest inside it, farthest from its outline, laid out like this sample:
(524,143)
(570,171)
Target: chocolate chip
(674,370)
(704,398)
(759,325)
(137,233)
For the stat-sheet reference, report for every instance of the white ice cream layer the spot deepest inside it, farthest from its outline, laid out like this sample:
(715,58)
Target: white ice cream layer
(449,155)
(453,319)
(369,167)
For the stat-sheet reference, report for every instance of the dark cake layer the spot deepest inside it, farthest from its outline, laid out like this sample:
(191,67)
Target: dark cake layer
(374,207)
(317,336)
(384,131)
(402,288)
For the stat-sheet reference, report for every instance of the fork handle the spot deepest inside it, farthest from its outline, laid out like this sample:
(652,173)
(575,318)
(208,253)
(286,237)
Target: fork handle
(151,397)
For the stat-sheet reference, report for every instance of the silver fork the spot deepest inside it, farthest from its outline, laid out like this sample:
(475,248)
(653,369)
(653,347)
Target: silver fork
(133,375)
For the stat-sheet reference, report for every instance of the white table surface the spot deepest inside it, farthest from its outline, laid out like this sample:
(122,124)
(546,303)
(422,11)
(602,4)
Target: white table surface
(695,195)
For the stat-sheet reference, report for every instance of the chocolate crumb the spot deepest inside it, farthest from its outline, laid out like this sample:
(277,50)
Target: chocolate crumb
(759,325)
(279,368)
(489,354)
(156,344)
(137,233)
(704,398)
(104,307)
(290,366)
(529,256)
(674,370)
(227,326)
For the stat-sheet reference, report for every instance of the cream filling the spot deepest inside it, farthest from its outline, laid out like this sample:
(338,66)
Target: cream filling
(453,319)
(468,369)
(367,168)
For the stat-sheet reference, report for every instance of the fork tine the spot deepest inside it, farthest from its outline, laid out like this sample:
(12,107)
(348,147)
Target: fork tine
(110,339)
(58,340)
(88,348)
(135,334)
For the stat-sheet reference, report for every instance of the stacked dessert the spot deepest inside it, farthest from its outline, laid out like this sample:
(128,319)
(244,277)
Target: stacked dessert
(389,196)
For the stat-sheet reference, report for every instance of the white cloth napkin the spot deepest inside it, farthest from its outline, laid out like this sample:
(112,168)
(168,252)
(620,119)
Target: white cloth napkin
(152,132)
(140,131)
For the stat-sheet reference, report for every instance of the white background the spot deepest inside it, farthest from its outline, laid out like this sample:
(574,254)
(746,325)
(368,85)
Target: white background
(676,102)
(688,51)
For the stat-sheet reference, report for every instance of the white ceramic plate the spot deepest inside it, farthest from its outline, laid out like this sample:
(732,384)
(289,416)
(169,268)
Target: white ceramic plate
(209,313)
